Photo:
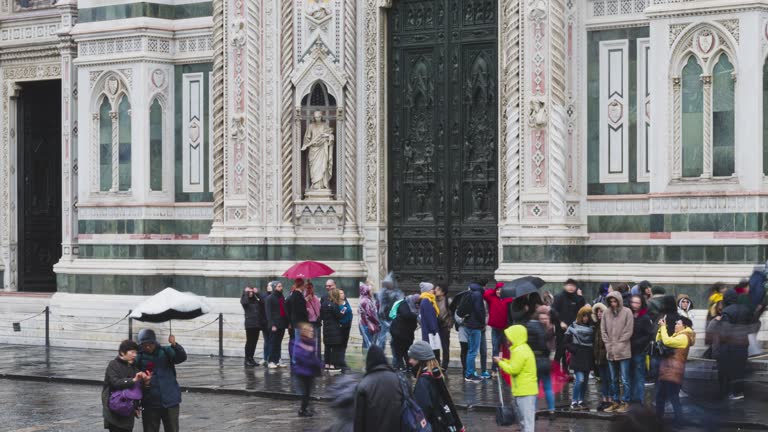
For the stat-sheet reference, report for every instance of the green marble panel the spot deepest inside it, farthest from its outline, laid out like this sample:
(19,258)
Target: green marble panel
(224,252)
(179,71)
(145,9)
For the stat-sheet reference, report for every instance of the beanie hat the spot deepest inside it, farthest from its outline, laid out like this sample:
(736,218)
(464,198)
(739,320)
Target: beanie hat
(499,285)
(426,286)
(147,336)
(421,351)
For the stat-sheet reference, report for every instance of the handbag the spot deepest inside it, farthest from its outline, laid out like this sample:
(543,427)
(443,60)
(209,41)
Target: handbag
(122,402)
(658,349)
(506,415)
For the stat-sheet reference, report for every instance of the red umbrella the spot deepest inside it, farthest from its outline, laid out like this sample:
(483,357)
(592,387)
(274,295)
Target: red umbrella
(308,270)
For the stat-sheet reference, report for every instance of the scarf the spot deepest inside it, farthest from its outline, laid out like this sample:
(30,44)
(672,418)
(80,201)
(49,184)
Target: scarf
(431,298)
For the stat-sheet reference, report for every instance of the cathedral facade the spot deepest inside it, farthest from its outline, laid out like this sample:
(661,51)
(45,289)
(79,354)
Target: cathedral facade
(207,145)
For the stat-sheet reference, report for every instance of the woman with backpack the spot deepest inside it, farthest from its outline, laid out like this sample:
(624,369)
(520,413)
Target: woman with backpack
(404,323)
(122,374)
(430,392)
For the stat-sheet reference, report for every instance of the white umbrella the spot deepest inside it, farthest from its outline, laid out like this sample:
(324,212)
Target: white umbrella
(170,304)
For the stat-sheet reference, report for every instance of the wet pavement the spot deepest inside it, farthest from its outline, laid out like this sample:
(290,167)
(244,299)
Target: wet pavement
(53,407)
(227,377)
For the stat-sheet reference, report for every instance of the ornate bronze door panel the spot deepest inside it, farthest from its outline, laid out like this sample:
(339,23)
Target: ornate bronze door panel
(39,184)
(442,99)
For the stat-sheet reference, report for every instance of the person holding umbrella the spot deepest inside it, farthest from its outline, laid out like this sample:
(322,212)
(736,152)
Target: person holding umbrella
(161,401)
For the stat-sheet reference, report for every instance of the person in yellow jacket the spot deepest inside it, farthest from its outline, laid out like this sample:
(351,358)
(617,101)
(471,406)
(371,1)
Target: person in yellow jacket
(521,366)
(672,367)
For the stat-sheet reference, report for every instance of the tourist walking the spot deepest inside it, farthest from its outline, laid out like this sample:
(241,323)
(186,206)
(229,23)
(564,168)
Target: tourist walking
(333,335)
(255,322)
(162,399)
(565,307)
(642,335)
(306,365)
(428,312)
(404,323)
(672,367)
(521,366)
(579,340)
(498,315)
(277,322)
(616,329)
(386,297)
(369,321)
(541,340)
(601,359)
(430,392)
(378,396)
(445,321)
(122,374)
(474,324)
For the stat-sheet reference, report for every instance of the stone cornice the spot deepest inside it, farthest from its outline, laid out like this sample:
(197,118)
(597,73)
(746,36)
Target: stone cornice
(704,7)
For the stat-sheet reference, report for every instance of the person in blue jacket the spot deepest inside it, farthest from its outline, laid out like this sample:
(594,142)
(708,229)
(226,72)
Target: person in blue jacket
(474,324)
(161,401)
(429,311)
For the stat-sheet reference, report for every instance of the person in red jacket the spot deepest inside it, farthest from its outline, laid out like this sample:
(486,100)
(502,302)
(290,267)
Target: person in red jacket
(497,318)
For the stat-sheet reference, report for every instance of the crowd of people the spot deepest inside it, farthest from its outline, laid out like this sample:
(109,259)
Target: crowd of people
(627,338)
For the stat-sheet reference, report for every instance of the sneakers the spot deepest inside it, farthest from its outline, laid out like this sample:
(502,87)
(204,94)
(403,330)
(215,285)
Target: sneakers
(738,396)
(622,408)
(262,363)
(583,407)
(649,383)
(473,379)
(250,362)
(305,413)
(272,366)
(485,375)
(282,365)
(575,406)
(612,407)
(603,405)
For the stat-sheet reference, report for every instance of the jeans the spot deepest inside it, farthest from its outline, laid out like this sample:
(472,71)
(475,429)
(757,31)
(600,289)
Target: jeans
(152,417)
(497,337)
(445,342)
(368,337)
(527,407)
(546,382)
(267,344)
(668,390)
(381,341)
(251,340)
(638,378)
(579,386)
(483,351)
(276,342)
(473,339)
(606,389)
(616,367)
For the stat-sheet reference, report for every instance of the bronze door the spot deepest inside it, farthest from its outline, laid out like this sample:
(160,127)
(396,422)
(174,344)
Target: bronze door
(442,148)
(39,184)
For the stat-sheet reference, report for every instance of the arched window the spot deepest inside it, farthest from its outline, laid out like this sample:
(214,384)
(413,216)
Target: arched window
(156,146)
(105,146)
(124,149)
(723,120)
(692,119)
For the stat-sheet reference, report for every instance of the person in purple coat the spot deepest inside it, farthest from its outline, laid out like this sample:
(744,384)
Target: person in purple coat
(306,365)
(429,311)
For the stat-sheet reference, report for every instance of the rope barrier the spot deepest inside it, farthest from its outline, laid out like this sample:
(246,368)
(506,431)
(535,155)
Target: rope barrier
(73,327)
(25,319)
(198,328)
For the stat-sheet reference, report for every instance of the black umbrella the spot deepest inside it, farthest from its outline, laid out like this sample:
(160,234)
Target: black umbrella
(170,304)
(521,287)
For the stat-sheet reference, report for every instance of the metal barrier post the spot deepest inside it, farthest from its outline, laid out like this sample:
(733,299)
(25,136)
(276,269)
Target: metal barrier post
(130,325)
(221,335)
(47,326)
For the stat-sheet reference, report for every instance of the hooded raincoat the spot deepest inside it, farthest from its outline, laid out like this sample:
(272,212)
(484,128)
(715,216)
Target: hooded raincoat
(521,365)
(616,330)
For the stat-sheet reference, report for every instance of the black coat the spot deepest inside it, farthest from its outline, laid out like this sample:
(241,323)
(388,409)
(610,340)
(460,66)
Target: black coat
(566,305)
(537,340)
(331,316)
(582,357)
(476,319)
(378,401)
(642,334)
(253,307)
(273,311)
(119,376)
(296,308)
(404,325)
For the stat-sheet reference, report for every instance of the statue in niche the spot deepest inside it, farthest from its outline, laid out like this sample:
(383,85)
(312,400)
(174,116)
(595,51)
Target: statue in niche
(319,140)
(318,9)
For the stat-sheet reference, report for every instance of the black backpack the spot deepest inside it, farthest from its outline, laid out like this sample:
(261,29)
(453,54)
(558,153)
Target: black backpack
(464,309)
